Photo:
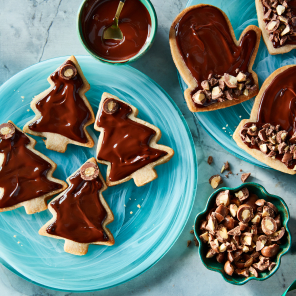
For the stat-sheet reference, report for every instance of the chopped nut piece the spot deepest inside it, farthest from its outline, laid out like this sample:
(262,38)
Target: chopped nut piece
(272,206)
(89,171)
(222,235)
(220,257)
(110,106)
(271,266)
(222,210)
(246,239)
(223,169)
(222,248)
(243,226)
(235,231)
(205,85)
(204,237)
(277,235)
(215,181)
(272,25)
(243,194)
(264,148)
(245,213)
(215,246)
(7,130)
(212,224)
(199,97)
(246,92)
(188,243)
(223,198)
(270,251)
(210,160)
(211,253)
(241,77)
(229,222)
(278,222)
(280,9)
(242,272)
(245,176)
(228,268)
(286,30)
(233,210)
(268,225)
(253,271)
(268,212)
(219,217)
(261,242)
(256,219)
(230,80)
(246,249)
(216,93)
(260,202)
(191,231)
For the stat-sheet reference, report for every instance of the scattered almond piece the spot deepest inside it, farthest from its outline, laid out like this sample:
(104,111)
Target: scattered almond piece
(245,176)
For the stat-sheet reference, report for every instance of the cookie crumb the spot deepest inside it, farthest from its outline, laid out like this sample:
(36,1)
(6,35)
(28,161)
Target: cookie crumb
(18,242)
(188,243)
(196,241)
(131,212)
(245,176)
(22,97)
(139,206)
(28,110)
(210,160)
(14,236)
(125,205)
(240,170)
(191,231)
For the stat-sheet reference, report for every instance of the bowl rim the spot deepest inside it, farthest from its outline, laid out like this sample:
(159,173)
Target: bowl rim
(145,48)
(206,209)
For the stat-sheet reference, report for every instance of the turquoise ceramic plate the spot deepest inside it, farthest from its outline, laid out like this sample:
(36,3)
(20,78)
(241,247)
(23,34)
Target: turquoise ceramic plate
(241,14)
(212,264)
(148,220)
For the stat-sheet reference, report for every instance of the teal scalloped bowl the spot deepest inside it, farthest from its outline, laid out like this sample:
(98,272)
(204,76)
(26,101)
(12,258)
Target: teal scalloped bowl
(154,24)
(212,264)
(148,219)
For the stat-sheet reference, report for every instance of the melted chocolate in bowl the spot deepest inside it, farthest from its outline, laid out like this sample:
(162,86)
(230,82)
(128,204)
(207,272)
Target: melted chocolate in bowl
(134,22)
(207,47)
(126,143)
(80,213)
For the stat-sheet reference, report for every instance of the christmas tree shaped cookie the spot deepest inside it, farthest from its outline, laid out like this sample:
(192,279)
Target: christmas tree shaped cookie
(270,133)
(216,67)
(81,214)
(127,144)
(25,174)
(63,112)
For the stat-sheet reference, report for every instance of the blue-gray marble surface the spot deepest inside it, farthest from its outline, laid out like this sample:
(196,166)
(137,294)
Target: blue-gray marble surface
(35,30)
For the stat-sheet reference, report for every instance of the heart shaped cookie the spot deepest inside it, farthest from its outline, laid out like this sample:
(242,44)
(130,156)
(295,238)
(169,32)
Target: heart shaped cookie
(216,67)
(270,133)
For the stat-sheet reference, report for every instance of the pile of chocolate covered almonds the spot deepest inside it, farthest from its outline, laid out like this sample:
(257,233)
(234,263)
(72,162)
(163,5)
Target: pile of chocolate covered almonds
(243,233)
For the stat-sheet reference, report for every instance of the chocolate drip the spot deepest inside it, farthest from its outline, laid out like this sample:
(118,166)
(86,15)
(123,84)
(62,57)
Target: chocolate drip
(23,174)
(207,47)
(134,22)
(126,143)
(80,213)
(63,111)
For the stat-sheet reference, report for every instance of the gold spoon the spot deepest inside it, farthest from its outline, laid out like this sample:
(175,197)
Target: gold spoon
(114,32)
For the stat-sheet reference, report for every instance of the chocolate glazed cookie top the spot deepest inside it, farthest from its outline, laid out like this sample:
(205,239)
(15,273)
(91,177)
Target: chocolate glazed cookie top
(126,142)
(80,213)
(278,103)
(63,111)
(205,42)
(23,174)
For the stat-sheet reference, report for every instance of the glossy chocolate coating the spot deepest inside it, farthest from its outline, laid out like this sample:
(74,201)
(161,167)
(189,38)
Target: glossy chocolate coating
(63,111)
(23,174)
(134,22)
(207,47)
(292,5)
(126,143)
(80,213)
(278,103)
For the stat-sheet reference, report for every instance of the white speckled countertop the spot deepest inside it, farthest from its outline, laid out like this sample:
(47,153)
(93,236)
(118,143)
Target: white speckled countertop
(36,30)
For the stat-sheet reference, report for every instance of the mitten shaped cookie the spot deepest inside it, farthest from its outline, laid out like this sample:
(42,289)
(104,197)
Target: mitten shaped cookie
(127,144)
(26,174)
(81,214)
(63,111)
(216,67)
(270,133)
(277,20)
